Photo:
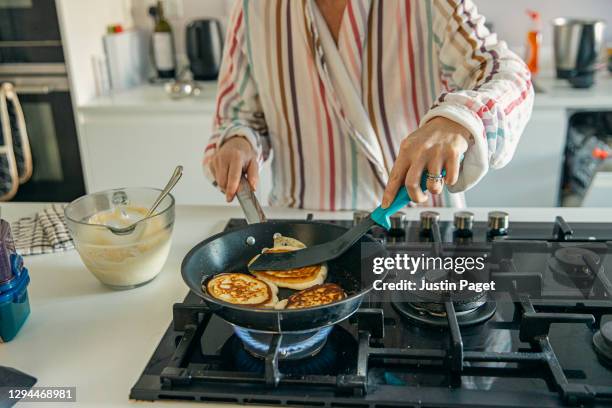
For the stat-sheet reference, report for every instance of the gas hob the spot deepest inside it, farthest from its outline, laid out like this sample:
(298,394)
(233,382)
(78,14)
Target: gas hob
(549,351)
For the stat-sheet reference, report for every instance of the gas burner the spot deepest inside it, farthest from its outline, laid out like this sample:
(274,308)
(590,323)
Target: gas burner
(332,358)
(293,346)
(432,301)
(602,343)
(427,306)
(433,314)
(570,267)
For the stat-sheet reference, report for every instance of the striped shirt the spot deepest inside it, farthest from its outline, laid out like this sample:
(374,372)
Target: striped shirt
(408,60)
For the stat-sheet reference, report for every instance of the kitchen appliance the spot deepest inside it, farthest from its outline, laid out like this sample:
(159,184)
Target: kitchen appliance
(548,352)
(231,252)
(578,46)
(204,42)
(32,59)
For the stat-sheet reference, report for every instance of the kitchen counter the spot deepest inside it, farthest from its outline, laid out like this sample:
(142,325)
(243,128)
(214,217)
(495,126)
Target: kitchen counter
(153,98)
(560,94)
(82,334)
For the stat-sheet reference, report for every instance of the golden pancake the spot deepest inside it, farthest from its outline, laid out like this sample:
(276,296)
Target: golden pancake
(242,289)
(298,279)
(316,296)
(282,241)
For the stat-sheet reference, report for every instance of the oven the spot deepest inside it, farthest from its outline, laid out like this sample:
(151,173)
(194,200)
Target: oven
(29,32)
(32,59)
(47,107)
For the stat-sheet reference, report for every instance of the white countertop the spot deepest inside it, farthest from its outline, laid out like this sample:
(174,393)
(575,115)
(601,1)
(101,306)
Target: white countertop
(82,334)
(153,98)
(560,94)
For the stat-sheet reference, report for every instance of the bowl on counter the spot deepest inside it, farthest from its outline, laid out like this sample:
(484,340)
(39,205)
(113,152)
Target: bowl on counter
(122,261)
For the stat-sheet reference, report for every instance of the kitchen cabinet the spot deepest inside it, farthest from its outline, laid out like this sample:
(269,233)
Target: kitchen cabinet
(137,138)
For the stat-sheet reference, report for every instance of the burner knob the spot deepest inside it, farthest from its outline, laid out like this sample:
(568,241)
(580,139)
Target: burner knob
(359,216)
(428,219)
(464,220)
(498,224)
(498,220)
(397,221)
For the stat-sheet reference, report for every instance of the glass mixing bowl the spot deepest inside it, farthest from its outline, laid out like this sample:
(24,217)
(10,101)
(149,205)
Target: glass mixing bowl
(122,261)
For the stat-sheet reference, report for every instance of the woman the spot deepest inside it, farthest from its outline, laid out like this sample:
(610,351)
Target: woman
(356,98)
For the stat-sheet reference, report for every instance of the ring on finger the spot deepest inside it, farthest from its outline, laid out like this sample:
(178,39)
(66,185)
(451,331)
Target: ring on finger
(438,178)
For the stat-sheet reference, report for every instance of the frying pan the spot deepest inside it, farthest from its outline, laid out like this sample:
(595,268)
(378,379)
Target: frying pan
(231,251)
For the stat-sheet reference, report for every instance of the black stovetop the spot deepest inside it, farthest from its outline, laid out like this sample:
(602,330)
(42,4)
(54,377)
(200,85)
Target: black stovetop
(530,353)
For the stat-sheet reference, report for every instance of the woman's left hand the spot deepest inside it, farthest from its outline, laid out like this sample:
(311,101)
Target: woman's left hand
(437,145)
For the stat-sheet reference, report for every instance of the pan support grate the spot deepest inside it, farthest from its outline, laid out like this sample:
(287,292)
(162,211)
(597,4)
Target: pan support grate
(532,319)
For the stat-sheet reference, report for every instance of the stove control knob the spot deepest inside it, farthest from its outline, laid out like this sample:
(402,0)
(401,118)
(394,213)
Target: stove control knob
(498,220)
(498,225)
(428,219)
(464,220)
(397,221)
(359,216)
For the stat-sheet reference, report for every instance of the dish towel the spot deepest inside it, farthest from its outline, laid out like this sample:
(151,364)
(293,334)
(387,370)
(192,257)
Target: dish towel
(44,233)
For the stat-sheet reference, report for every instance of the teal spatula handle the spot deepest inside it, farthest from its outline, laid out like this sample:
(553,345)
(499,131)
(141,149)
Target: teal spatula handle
(381,215)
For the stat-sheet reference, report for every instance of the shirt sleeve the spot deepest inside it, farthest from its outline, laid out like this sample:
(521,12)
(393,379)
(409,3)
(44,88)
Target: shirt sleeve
(487,88)
(238,108)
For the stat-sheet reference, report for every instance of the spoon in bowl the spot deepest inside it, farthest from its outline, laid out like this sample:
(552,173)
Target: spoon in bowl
(176,176)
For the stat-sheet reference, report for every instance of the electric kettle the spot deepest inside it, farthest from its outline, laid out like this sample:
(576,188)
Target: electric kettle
(204,42)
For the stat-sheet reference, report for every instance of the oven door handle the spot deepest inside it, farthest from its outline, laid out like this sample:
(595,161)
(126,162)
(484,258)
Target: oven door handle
(34,89)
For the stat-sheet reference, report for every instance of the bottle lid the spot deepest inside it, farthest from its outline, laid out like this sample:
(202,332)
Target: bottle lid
(534,15)
(17,286)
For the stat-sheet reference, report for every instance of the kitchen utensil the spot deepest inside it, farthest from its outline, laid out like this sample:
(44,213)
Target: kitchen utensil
(128,260)
(204,42)
(578,44)
(176,176)
(231,251)
(317,254)
(249,203)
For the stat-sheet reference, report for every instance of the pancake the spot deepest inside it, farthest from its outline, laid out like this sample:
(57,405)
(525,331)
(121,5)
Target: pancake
(282,241)
(315,296)
(297,279)
(242,289)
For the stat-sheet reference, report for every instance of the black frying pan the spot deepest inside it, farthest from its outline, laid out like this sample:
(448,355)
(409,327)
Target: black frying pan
(231,251)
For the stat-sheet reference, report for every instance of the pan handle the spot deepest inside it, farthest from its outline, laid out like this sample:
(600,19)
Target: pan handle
(249,203)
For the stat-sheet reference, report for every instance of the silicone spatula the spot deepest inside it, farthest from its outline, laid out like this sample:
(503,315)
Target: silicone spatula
(281,261)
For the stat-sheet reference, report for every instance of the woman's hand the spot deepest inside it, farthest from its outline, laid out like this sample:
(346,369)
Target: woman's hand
(234,158)
(437,145)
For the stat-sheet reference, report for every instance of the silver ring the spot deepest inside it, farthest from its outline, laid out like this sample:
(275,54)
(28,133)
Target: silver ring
(439,178)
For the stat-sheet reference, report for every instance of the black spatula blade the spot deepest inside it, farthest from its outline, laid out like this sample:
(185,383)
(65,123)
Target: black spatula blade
(316,254)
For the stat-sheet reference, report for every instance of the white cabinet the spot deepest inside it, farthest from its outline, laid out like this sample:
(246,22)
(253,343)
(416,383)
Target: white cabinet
(141,148)
(533,177)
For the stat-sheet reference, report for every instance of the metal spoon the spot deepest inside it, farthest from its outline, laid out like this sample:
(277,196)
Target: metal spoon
(176,176)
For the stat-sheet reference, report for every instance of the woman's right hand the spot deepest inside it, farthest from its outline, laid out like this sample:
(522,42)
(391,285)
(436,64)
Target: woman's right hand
(234,158)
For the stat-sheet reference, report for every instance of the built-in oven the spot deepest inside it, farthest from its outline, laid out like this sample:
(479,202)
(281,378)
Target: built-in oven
(47,107)
(29,32)
(32,59)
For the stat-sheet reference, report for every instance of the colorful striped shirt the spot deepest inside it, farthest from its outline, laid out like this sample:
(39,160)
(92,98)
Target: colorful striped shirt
(408,60)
